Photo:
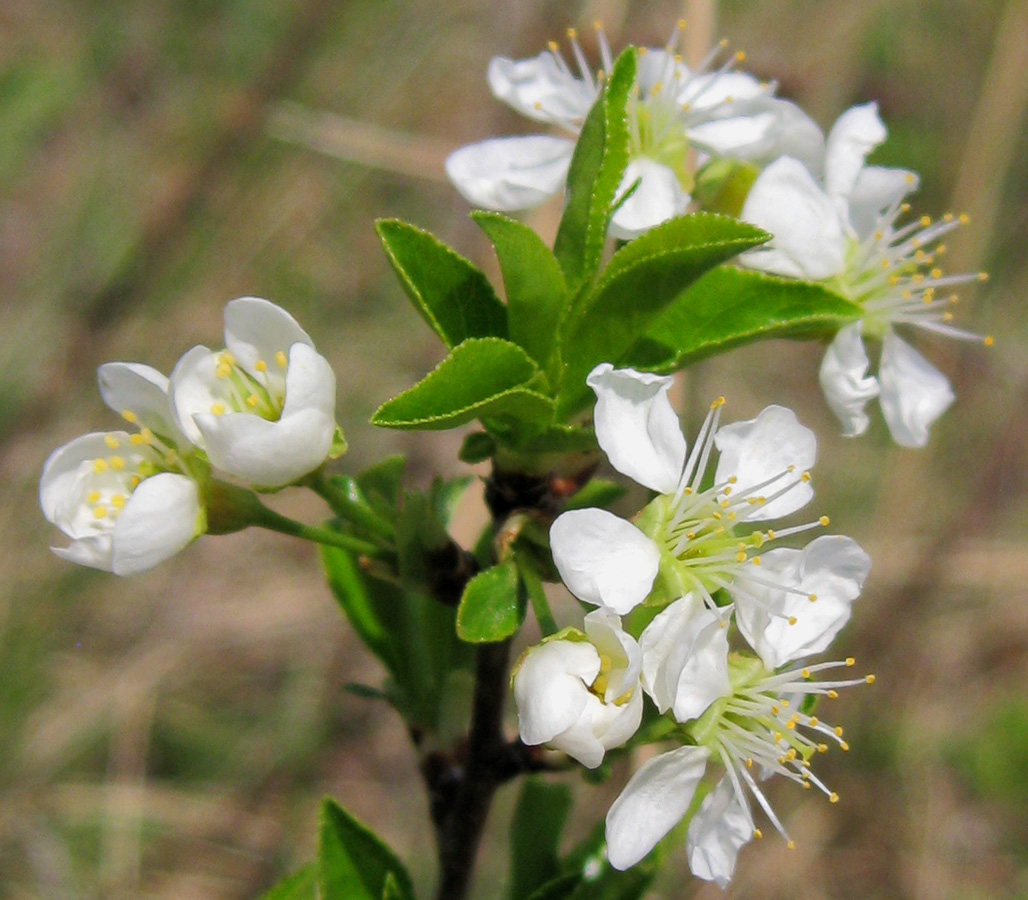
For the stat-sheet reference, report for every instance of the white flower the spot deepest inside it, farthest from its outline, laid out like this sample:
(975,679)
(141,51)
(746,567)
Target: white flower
(263,409)
(127,500)
(578,693)
(758,719)
(678,119)
(698,541)
(844,232)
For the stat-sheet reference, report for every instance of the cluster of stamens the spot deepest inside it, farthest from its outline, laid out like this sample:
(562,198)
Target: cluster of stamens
(700,528)
(762,723)
(665,109)
(894,274)
(240,391)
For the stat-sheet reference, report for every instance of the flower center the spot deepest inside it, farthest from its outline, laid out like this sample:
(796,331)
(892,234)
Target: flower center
(260,393)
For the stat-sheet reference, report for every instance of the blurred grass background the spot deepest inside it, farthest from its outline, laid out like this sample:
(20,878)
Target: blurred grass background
(169,736)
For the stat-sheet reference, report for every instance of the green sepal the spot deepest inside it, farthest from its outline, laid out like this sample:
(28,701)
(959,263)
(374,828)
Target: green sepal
(339,445)
(493,605)
(302,885)
(454,298)
(534,285)
(729,307)
(722,186)
(597,166)
(353,863)
(485,378)
(535,831)
(642,279)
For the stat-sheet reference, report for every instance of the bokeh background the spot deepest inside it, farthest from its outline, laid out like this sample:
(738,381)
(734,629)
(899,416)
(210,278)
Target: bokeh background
(170,735)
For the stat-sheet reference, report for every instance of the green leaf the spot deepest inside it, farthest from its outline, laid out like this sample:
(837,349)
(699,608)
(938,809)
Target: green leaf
(301,886)
(482,377)
(535,836)
(642,279)
(353,864)
(562,439)
(493,605)
(533,282)
(729,307)
(597,165)
(453,296)
(381,484)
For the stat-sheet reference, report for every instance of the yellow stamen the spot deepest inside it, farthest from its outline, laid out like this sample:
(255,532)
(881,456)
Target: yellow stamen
(111,441)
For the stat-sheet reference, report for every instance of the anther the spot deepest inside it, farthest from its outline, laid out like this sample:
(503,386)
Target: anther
(812,598)
(822,748)
(833,797)
(99,465)
(805,477)
(983,276)
(792,620)
(218,409)
(757,834)
(823,521)
(850,661)
(135,439)
(813,721)
(925,221)
(844,746)
(129,416)
(805,673)
(740,56)
(261,366)
(99,512)
(93,497)
(755,560)
(964,218)
(791,845)
(870,679)
(988,341)
(118,501)
(572,34)
(837,731)
(117,463)
(833,695)
(280,359)
(252,401)
(553,46)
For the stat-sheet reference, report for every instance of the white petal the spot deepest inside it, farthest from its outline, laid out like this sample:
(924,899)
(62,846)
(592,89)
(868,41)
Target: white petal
(551,688)
(310,383)
(541,89)
(721,826)
(62,473)
(658,197)
(831,568)
(736,137)
(845,382)
(809,238)
(914,393)
(876,190)
(160,518)
(658,641)
(762,449)
(600,728)
(720,93)
(510,174)
(142,391)
(602,559)
(267,454)
(652,803)
(257,329)
(855,134)
(636,426)
(93,551)
(658,67)
(698,664)
(792,133)
(192,390)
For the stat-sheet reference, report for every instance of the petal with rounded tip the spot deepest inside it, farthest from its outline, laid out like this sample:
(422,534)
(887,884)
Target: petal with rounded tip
(510,174)
(636,426)
(540,88)
(914,393)
(876,190)
(766,448)
(652,803)
(809,236)
(160,518)
(847,386)
(720,828)
(93,551)
(855,134)
(831,568)
(658,641)
(603,628)
(602,559)
(657,198)
(192,380)
(143,391)
(257,329)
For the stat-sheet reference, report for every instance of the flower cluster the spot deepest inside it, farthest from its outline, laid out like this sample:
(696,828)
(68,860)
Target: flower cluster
(701,553)
(679,119)
(844,230)
(261,411)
